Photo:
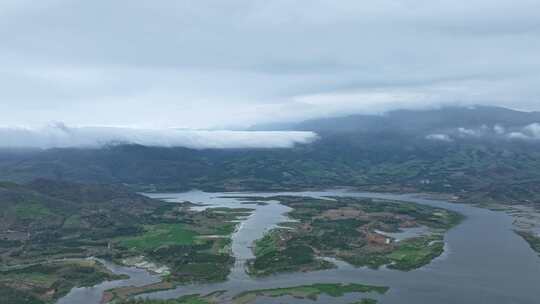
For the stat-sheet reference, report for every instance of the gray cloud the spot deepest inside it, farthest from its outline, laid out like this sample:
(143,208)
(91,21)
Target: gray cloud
(500,132)
(439,137)
(465,132)
(61,136)
(530,132)
(199,64)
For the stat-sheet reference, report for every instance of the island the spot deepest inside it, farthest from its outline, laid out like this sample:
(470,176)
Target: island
(311,292)
(359,231)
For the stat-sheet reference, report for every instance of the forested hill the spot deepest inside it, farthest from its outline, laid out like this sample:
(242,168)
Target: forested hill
(45,211)
(472,152)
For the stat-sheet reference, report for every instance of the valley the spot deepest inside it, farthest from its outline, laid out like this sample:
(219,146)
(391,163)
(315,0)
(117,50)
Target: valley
(269,152)
(461,247)
(245,245)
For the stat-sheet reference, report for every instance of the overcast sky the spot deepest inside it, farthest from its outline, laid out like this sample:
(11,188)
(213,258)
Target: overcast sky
(222,64)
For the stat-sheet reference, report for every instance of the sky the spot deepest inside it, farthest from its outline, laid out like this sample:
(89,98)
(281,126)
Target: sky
(231,64)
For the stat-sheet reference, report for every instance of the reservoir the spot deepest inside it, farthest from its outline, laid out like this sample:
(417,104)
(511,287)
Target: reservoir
(484,260)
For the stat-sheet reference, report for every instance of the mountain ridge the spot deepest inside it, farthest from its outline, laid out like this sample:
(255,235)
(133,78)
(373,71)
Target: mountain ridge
(436,119)
(396,154)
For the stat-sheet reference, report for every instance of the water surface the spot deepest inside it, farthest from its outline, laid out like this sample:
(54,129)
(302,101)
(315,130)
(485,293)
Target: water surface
(484,260)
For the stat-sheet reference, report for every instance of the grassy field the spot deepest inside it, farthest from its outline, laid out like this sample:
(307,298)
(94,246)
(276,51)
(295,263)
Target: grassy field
(307,292)
(191,299)
(416,252)
(366,301)
(160,235)
(211,298)
(196,249)
(31,211)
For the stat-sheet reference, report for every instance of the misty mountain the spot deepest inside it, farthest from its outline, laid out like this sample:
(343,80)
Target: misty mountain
(389,152)
(414,121)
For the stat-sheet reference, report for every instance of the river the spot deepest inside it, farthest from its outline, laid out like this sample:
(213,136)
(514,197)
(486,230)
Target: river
(484,260)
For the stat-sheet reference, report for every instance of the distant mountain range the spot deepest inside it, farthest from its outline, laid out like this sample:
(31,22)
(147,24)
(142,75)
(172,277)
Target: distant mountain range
(474,152)
(414,120)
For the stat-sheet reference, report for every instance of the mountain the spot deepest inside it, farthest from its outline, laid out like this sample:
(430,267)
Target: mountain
(465,151)
(413,121)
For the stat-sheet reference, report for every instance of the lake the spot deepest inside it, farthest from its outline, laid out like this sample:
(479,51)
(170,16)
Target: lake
(484,260)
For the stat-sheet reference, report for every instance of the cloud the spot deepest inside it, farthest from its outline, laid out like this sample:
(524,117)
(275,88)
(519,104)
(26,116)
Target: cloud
(470,132)
(498,129)
(61,136)
(517,135)
(497,132)
(197,64)
(439,137)
(530,132)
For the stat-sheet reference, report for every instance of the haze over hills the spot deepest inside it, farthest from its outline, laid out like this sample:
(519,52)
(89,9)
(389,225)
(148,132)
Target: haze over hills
(450,150)
(180,151)
(430,120)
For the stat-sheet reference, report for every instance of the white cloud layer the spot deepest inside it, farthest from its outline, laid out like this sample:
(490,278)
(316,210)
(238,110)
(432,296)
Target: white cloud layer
(61,136)
(528,132)
(210,64)
(439,137)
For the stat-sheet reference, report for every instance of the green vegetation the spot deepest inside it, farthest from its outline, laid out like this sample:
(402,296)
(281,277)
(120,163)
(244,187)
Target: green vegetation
(413,253)
(31,211)
(265,245)
(407,255)
(196,263)
(346,228)
(160,235)
(48,220)
(270,258)
(308,292)
(531,238)
(51,219)
(45,283)
(379,153)
(366,301)
(15,296)
(190,299)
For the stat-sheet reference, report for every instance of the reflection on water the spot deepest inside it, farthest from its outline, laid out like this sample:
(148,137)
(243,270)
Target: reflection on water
(487,262)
